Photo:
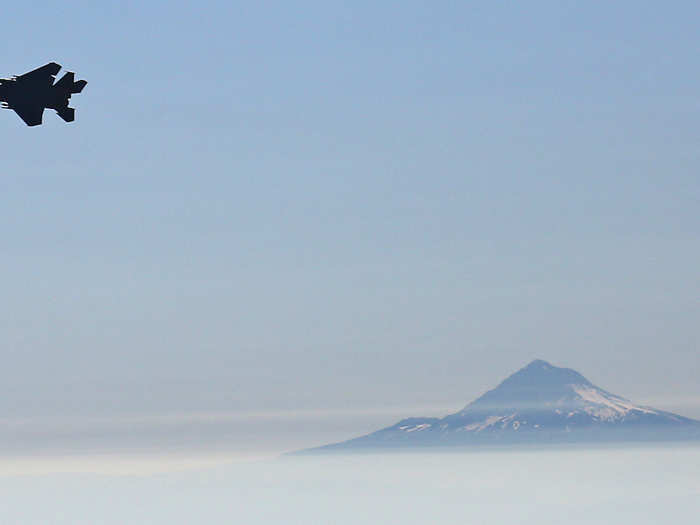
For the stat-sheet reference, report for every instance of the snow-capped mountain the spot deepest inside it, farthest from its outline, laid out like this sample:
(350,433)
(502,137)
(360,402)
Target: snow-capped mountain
(539,403)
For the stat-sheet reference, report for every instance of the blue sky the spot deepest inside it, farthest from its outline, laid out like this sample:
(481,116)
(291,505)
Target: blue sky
(266,206)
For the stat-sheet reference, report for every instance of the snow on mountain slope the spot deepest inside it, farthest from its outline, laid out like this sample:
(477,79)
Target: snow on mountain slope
(608,407)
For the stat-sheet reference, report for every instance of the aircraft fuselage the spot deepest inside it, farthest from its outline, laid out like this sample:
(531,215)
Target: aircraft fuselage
(30,94)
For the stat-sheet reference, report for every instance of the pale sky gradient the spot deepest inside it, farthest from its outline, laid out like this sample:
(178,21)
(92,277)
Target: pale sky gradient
(303,206)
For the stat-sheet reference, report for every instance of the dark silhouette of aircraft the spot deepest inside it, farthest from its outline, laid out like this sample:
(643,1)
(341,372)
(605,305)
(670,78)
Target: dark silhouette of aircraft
(30,94)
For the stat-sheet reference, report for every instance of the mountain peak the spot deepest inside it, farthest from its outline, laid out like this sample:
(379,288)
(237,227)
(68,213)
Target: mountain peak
(539,363)
(541,373)
(537,382)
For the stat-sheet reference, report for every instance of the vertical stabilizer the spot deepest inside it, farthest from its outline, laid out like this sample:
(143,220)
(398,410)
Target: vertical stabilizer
(68,83)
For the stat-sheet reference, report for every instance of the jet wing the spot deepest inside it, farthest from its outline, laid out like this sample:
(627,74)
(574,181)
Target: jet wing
(43,75)
(31,115)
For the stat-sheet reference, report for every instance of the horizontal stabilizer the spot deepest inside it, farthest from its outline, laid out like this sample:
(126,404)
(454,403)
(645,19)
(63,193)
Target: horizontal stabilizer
(79,85)
(67,114)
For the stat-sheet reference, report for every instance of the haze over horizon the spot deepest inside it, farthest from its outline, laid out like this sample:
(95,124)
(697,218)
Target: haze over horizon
(336,209)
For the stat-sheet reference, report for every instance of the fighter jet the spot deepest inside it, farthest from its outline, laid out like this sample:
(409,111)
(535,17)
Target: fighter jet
(29,94)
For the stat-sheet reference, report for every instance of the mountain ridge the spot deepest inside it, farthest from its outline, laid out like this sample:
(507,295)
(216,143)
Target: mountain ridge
(539,403)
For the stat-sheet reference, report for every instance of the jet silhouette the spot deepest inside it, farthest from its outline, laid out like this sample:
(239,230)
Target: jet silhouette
(29,94)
